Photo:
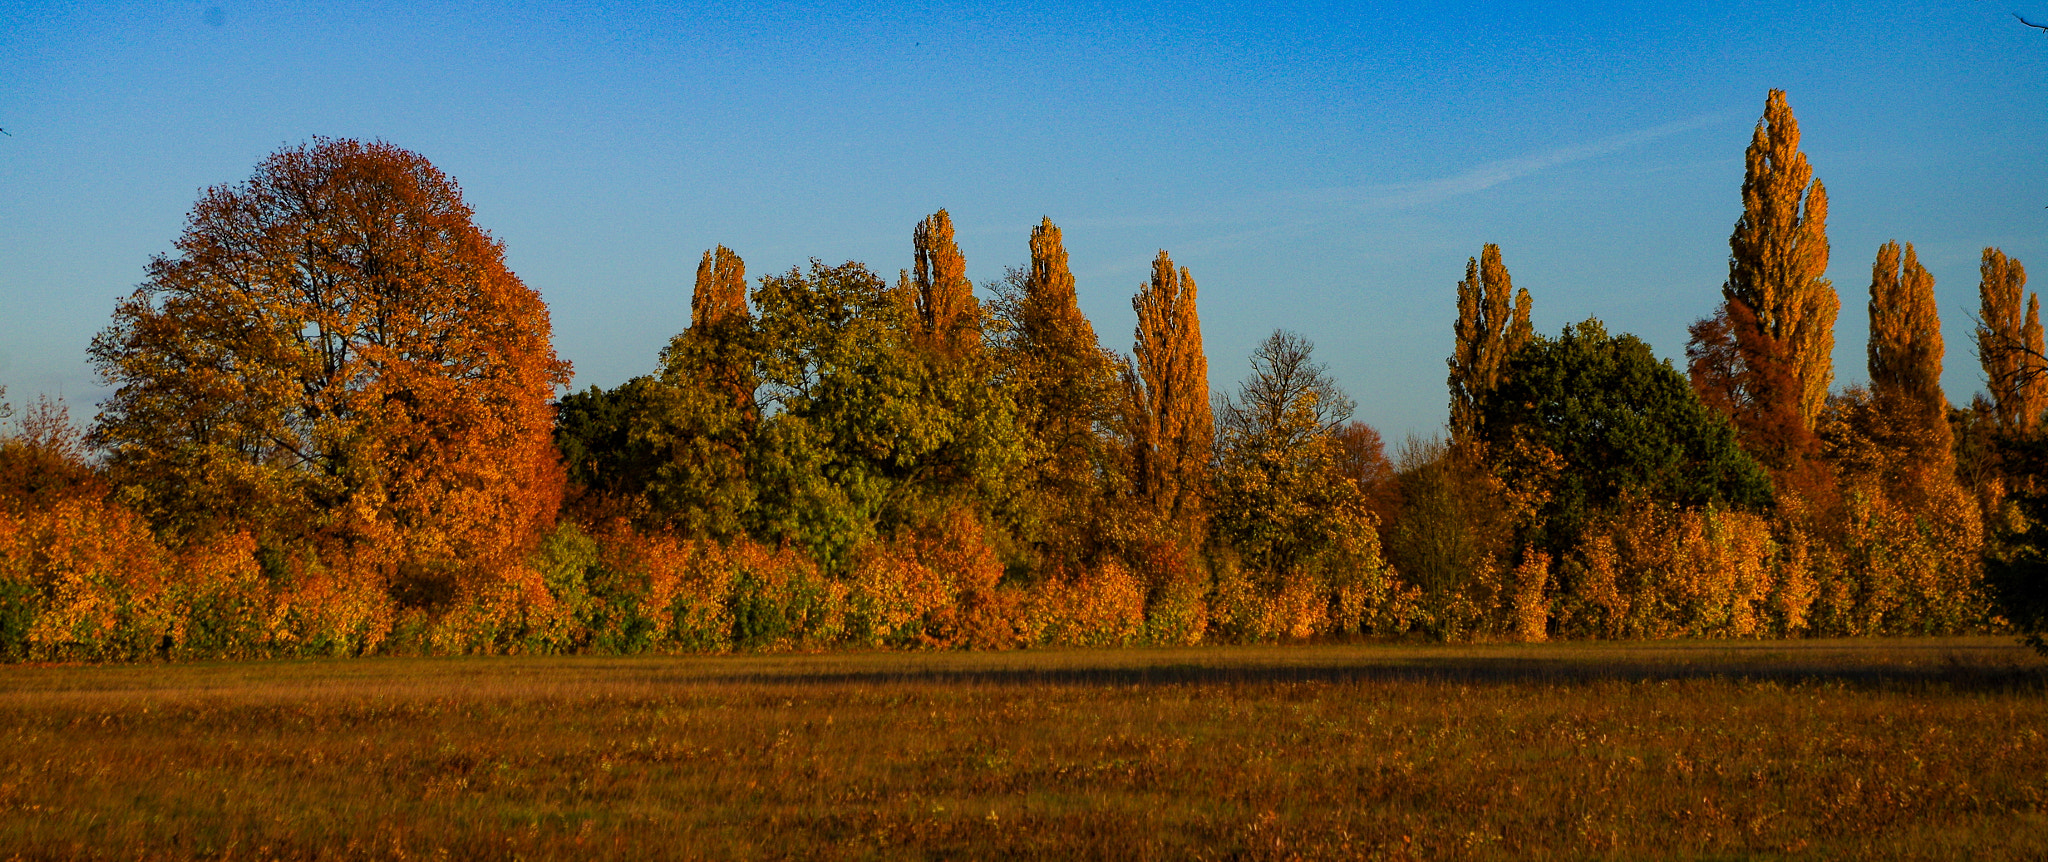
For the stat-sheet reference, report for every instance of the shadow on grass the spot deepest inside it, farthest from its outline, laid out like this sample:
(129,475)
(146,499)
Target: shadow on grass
(1953,676)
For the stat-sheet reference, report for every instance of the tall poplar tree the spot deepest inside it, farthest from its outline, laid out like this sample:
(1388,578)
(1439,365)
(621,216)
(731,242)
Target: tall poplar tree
(1780,304)
(1171,428)
(1489,332)
(2010,345)
(1064,384)
(720,292)
(1906,350)
(700,416)
(947,317)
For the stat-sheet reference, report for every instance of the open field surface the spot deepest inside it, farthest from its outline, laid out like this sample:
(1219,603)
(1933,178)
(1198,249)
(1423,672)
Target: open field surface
(1902,748)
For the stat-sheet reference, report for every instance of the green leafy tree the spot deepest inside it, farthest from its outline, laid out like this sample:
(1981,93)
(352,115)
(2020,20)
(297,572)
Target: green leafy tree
(594,431)
(1450,530)
(1589,417)
(865,431)
(703,415)
(1064,385)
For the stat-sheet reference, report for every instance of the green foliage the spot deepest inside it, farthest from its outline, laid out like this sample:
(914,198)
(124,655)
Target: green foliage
(864,430)
(2016,558)
(1282,498)
(1620,421)
(701,417)
(18,601)
(594,431)
(1448,537)
(1065,387)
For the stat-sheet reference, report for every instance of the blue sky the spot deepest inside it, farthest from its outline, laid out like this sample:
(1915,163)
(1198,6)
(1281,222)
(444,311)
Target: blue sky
(1322,168)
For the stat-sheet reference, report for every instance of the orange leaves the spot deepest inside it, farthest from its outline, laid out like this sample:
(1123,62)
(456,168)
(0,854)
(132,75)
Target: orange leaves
(948,318)
(1777,265)
(2009,344)
(336,347)
(935,586)
(1655,571)
(82,580)
(1170,426)
(1489,331)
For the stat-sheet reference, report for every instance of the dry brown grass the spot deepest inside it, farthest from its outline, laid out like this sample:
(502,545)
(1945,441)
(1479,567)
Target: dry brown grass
(1918,748)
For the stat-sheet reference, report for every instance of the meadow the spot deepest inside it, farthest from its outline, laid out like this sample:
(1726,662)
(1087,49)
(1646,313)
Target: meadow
(1913,748)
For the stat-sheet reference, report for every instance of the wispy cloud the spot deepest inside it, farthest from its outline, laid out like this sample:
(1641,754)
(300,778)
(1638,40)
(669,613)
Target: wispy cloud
(1491,174)
(1302,209)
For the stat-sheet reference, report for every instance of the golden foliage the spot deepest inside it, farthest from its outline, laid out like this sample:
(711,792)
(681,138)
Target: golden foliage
(1102,605)
(948,318)
(720,293)
(1530,610)
(1905,345)
(337,348)
(2010,345)
(1648,571)
(1778,260)
(1171,429)
(1488,332)
(937,587)
(86,578)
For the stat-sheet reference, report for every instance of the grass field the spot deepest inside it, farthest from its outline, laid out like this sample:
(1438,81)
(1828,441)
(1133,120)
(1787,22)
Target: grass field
(1885,749)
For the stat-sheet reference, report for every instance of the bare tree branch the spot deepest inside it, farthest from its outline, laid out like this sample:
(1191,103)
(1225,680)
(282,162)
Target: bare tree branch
(2023,20)
(2032,364)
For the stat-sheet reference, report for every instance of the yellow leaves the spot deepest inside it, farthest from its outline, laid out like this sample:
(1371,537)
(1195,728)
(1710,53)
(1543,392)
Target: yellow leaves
(1530,604)
(1905,342)
(2009,345)
(1488,333)
(1778,260)
(1171,428)
(948,318)
(1654,571)
(1102,605)
(86,578)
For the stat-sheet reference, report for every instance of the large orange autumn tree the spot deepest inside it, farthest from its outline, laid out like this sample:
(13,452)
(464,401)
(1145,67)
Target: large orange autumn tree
(336,357)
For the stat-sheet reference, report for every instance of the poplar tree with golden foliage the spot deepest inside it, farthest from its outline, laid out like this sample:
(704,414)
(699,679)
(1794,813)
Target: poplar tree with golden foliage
(2009,345)
(1172,433)
(1909,533)
(1906,352)
(1766,356)
(947,318)
(1489,332)
(335,347)
(720,292)
(1778,260)
(1064,385)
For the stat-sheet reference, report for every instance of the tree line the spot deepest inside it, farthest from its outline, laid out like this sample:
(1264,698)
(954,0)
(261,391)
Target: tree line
(335,430)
